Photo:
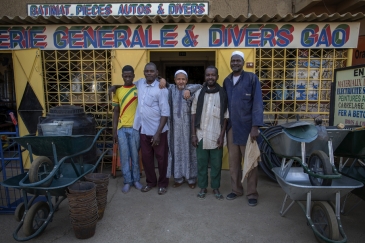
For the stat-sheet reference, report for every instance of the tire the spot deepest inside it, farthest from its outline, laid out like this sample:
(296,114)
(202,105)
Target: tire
(324,220)
(35,218)
(40,168)
(320,164)
(19,211)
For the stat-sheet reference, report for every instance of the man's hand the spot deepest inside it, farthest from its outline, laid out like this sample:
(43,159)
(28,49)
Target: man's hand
(220,142)
(186,94)
(162,84)
(254,133)
(194,141)
(112,89)
(155,141)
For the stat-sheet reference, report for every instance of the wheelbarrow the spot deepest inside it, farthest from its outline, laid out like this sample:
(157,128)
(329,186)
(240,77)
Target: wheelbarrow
(311,146)
(353,149)
(322,215)
(49,178)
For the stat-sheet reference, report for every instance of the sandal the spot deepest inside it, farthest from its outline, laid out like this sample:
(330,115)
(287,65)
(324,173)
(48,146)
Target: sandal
(217,194)
(201,194)
(192,186)
(177,184)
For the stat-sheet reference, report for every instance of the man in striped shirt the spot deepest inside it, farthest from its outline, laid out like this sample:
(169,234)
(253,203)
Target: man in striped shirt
(125,104)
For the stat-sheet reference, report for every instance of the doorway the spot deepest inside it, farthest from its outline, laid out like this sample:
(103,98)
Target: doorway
(7,91)
(193,62)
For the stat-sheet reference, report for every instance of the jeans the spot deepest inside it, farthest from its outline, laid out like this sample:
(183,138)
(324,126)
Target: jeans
(129,144)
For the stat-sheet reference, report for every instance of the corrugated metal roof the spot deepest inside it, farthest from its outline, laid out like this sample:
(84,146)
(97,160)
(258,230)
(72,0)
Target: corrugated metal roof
(40,20)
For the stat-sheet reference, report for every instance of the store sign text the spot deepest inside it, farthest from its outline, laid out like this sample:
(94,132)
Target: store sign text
(180,36)
(122,9)
(349,102)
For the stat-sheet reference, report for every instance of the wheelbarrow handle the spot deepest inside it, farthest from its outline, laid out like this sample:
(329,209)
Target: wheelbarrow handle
(57,166)
(35,184)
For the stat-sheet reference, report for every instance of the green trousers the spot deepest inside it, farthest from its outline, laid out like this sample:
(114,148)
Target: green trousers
(215,158)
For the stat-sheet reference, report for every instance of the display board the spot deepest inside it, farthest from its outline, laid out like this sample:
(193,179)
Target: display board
(348,96)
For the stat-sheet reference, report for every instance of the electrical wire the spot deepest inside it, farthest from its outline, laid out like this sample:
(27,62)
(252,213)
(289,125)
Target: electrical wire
(324,3)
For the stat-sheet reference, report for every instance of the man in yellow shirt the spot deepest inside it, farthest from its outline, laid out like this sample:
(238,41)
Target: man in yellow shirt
(125,104)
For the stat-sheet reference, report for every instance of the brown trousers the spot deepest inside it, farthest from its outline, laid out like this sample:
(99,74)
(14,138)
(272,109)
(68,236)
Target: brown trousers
(148,160)
(236,154)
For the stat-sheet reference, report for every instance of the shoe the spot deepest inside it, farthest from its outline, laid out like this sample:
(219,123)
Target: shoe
(252,202)
(162,190)
(146,188)
(126,188)
(201,194)
(138,185)
(192,186)
(177,184)
(217,194)
(231,196)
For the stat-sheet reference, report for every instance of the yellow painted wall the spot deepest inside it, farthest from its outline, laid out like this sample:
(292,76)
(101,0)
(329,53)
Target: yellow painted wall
(27,68)
(136,58)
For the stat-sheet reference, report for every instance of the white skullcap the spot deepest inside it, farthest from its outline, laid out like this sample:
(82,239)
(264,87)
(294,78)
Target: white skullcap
(238,53)
(181,71)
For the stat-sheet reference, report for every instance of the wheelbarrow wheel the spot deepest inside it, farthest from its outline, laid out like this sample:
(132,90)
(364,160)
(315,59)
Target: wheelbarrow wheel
(35,218)
(40,168)
(19,211)
(320,164)
(324,220)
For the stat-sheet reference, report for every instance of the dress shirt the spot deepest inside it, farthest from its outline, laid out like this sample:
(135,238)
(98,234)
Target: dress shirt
(152,105)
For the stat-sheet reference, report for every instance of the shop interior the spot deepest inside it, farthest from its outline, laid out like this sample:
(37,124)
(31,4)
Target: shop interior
(193,62)
(7,91)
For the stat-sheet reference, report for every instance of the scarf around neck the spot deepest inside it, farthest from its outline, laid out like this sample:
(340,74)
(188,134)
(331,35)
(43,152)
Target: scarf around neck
(223,103)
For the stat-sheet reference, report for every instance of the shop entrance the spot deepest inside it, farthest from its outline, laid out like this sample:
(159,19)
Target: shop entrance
(193,62)
(7,91)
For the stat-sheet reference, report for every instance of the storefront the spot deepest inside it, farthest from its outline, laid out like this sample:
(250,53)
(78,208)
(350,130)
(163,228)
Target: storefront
(73,60)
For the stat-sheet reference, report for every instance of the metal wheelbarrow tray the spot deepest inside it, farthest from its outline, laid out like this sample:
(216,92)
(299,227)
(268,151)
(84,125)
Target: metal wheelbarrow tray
(287,147)
(322,215)
(301,142)
(49,178)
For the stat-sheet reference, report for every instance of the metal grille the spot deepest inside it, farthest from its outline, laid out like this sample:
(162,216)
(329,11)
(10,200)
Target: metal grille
(81,78)
(297,82)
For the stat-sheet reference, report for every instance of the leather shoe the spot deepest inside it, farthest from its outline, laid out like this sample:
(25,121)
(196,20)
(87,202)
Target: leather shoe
(162,190)
(252,202)
(146,188)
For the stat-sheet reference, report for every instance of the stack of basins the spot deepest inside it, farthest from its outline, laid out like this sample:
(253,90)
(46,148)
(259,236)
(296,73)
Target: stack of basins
(101,181)
(83,209)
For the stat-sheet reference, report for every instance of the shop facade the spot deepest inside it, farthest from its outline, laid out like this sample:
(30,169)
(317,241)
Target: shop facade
(72,60)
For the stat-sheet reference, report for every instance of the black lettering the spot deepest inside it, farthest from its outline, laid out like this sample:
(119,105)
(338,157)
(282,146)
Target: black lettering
(356,73)
(361,72)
